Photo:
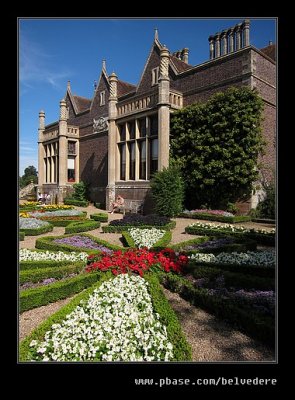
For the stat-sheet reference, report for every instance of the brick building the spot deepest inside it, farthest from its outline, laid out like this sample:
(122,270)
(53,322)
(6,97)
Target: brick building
(117,139)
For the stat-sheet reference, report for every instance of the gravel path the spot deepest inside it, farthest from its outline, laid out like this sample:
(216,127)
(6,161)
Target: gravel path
(212,339)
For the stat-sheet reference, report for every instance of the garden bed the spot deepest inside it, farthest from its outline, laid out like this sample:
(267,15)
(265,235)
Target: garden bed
(101,217)
(211,217)
(86,225)
(138,237)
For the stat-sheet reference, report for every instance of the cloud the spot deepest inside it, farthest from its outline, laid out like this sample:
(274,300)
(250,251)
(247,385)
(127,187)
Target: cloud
(38,66)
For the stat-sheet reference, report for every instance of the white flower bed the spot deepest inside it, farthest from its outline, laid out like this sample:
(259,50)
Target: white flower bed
(263,258)
(58,213)
(146,237)
(31,223)
(29,255)
(230,227)
(116,323)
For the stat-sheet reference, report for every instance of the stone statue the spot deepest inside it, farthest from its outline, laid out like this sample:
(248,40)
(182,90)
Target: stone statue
(100,124)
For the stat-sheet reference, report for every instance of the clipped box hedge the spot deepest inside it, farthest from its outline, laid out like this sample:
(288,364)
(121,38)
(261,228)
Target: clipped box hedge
(24,265)
(101,217)
(241,244)
(46,243)
(259,326)
(78,203)
(212,217)
(38,274)
(37,231)
(181,349)
(159,245)
(120,229)
(62,221)
(87,225)
(32,298)
(21,236)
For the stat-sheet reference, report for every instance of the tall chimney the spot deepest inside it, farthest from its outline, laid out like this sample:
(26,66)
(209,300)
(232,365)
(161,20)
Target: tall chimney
(246,32)
(185,52)
(217,45)
(211,46)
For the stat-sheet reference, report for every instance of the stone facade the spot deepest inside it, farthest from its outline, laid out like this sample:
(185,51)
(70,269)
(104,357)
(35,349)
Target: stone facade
(117,139)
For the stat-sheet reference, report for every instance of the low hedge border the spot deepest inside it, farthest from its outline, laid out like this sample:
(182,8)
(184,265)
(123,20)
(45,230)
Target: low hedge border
(181,349)
(87,225)
(46,243)
(253,270)
(234,279)
(241,245)
(63,221)
(220,218)
(38,274)
(32,298)
(246,319)
(101,217)
(60,315)
(25,265)
(123,228)
(21,236)
(73,202)
(159,245)
(268,239)
(37,231)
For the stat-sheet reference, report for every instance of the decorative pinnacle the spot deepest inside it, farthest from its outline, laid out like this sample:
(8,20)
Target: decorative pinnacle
(104,65)
(69,85)
(156,34)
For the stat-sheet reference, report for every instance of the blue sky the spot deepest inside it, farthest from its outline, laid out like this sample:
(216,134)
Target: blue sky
(53,51)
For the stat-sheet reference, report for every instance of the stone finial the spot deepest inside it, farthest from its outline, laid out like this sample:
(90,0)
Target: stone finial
(113,79)
(69,85)
(156,34)
(164,65)
(63,110)
(41,119)
(104,65)
(185,52)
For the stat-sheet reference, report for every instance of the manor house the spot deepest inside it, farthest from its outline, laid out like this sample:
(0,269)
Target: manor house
(117,139)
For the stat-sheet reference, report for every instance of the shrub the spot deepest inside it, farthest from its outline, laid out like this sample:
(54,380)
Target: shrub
(74,202)
(102,217)
(87,225)
(21,236)
(266,208)
(39,274)
(167,189)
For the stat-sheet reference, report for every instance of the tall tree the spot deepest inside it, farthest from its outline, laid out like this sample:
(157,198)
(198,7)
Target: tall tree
(216,144)
(30,174)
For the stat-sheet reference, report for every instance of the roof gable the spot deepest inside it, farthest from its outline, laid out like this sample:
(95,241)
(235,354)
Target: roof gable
(153,61)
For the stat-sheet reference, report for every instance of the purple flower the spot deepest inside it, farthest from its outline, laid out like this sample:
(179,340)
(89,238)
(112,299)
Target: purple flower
(83,242)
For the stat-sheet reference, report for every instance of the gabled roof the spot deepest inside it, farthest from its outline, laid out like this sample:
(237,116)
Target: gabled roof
(82,103)
(125,87)
(180,65)
(270,51)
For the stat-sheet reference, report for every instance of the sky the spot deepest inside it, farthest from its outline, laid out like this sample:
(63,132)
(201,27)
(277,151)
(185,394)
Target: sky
(53,51)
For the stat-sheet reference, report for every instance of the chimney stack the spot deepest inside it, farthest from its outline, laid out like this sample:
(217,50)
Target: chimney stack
(184,54)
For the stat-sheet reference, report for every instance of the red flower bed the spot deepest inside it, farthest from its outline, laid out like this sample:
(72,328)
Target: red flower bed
(137,261)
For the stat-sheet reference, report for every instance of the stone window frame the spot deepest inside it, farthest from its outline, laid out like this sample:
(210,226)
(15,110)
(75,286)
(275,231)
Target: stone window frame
(155,76)
(102,98)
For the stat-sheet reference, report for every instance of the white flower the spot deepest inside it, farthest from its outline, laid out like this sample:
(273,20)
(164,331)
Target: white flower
(146,237)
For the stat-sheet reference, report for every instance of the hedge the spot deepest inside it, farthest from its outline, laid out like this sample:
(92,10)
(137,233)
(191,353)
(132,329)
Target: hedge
(38,274)
(58,317)
(73,202)
(268,238)
(220,218)
(63,221)
(240,245)
(32,298)
(102,217)
(237,280)
(21,235)
(24,265)
(181,349)
(87,225)
(245,318)
(120,229)
(253,270)
(159,245)
(37,231)
(46,243)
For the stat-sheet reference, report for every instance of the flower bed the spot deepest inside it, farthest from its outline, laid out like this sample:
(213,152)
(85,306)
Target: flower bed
(181,350)
(214,215)
(101,217)
(259,235)
(86,225)
(258,258)
(208,244)
(137,261)
(33,227)
(250,320)
(58,213)
(137,237)
(38,274)
(82,242)
(142,221)
(38,255)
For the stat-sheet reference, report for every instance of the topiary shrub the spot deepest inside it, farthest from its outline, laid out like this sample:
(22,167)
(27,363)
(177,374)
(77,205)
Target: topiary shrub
(167,188)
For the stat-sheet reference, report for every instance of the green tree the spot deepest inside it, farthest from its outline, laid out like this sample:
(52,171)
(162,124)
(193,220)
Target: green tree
(216,144)
(30,174)
(80,191)
(167,188)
